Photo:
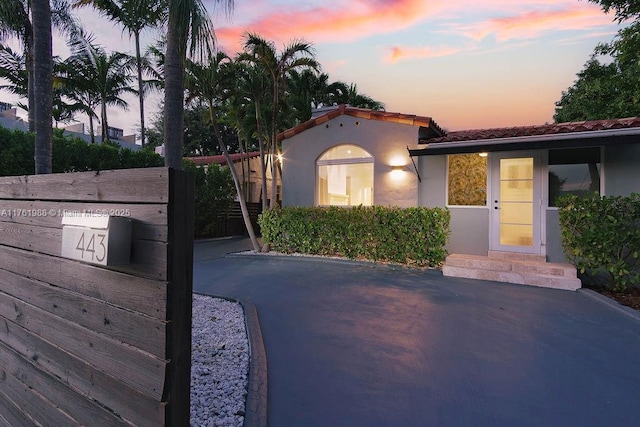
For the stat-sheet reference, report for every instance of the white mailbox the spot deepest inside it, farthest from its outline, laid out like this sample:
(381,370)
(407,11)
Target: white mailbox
(102,240)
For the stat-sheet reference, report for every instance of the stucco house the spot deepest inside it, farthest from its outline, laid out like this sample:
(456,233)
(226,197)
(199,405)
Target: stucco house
(500,185)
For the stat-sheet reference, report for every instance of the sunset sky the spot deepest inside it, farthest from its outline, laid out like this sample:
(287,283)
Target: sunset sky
(468,64)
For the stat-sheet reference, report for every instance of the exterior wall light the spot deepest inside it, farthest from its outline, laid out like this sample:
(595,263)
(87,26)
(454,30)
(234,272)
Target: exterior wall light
(397,168)
(483,154)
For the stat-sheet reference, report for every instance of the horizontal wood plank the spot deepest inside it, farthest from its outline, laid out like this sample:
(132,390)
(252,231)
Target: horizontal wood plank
(83,411)
(148,258)
(11,413)
(142,371)
(135,329)
(90,382)
(134,293)
(145,185)
(149,220)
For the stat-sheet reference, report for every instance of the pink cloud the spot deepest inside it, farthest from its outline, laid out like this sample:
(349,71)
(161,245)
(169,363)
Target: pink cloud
(399,53)
(344,21)
(533,24)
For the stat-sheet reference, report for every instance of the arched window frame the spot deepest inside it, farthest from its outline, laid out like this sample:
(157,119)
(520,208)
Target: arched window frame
(366,196)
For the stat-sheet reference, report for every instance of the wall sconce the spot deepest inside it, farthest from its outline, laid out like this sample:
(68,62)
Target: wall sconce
(483,154)
(397,168)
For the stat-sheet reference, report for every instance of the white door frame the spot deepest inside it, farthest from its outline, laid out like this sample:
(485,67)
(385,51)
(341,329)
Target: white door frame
(539,212)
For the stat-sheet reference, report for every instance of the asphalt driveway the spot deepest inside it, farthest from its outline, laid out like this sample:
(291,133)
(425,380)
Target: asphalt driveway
(351,344)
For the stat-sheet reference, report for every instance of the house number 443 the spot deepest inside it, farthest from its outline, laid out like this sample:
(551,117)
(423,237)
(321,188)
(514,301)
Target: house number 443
(92,246)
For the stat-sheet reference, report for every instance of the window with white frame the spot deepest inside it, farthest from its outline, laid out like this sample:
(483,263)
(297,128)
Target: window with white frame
(345,177)
(573,171)
(467,179)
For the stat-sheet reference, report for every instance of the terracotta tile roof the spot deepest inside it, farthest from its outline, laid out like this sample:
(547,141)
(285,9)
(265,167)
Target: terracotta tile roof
(219,159)
(523,131)
(362,113)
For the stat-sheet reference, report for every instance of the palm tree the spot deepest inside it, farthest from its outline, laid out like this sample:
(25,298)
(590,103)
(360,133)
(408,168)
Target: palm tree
(262,53)
(109,74)
(210,84)
(16,21)
(357,99)
(43,84)
(134,16)
(252,88)
(189,30)
(13,70)
(77,87)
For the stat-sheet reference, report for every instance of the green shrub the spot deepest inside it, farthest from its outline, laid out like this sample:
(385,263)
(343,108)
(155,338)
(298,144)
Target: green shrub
(69,155)
(214,195)
(413,236)
(601,235)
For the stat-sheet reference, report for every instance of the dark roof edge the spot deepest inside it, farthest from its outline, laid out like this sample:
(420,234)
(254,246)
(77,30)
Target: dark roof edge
(558,140)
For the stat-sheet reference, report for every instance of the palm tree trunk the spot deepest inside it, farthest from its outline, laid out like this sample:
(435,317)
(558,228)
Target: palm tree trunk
(105,125)
(174,94)
(140,88)
(263,160)
(274,127)
(30,81)
(274,176)
(93,138)
(236,180)
(42,85)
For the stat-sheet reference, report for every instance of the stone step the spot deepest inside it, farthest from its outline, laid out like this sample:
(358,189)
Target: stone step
(522,269)
(478,261)
(545,269)
(480,274)
(555,282)
(516,256)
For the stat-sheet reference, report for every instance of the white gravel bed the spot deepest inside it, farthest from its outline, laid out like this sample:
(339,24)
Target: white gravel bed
(219,363)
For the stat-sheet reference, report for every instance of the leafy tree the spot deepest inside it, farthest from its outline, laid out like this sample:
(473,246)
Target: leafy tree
(199,138)
(609,84)
(602,91)
(624,9)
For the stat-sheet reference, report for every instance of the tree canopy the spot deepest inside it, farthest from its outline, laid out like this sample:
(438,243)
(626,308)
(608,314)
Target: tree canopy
(608,86)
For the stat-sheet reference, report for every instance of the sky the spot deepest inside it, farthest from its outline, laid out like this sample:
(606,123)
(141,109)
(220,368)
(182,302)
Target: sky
(465,63)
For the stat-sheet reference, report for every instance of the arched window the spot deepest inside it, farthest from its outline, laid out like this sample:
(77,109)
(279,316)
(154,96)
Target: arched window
(345,176)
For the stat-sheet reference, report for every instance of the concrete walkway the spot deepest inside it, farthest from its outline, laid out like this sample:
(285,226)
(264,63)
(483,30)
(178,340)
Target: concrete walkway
(351,344)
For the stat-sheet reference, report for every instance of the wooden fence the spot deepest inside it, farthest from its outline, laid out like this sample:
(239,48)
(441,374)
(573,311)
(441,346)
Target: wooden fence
(82,344)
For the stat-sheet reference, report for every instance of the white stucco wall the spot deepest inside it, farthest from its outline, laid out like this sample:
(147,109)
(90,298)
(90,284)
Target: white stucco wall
(386,141)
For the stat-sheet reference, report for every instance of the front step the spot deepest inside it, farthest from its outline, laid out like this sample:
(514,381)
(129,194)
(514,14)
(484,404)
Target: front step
(523,269)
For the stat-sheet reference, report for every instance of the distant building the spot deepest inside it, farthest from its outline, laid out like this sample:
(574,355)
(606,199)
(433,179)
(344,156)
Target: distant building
(9,119)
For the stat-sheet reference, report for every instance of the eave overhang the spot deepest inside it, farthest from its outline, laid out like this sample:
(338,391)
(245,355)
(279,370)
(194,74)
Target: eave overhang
(532,142)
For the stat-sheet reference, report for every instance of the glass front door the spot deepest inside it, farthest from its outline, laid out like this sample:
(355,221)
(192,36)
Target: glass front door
(515,203)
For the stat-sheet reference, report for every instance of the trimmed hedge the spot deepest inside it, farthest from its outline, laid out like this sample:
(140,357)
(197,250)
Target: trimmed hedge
(69,154)
(601,235)
(414,236)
